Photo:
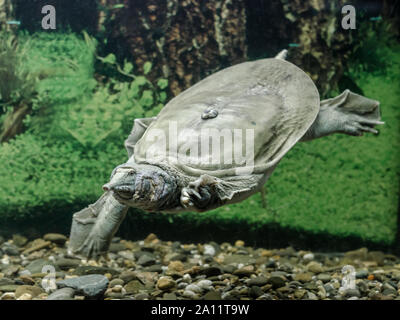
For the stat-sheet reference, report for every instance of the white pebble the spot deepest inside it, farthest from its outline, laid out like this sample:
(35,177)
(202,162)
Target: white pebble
(312,296)
(194,261)
(25,296)
(24,273)
(224,295)
(263,297)
(24,263)
(378,271)
(8,296)
(205,284)
(93,263)
(126,254)
(108,292)
(209,250)
(321,292)
(186,277)
(182,285)
(189,294)
(5,260)
(117,288)
(113,256)
(194,288)
(308,256)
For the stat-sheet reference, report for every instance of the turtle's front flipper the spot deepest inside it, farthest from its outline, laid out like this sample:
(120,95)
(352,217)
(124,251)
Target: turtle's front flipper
(93,227)
(199,194)
(347,113)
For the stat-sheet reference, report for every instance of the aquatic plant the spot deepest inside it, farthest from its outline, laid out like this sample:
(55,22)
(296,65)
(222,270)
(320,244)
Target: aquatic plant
(75,136)
(371,51)
(38,72)
(111,108)
(17,86)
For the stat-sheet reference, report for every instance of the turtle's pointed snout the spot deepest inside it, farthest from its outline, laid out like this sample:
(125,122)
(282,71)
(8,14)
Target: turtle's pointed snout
(125,191)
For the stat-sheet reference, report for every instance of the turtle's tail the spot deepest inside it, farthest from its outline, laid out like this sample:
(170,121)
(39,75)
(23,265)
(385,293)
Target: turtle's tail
(282,55)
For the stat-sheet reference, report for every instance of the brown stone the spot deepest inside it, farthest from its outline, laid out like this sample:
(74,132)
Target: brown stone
(165,283)
(239,243)
(303,277)
(32,290)
(150,238)
(176,266)
(27,280)
(57,238)
(37,245)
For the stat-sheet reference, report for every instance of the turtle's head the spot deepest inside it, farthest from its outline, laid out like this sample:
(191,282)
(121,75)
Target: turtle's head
(142,186)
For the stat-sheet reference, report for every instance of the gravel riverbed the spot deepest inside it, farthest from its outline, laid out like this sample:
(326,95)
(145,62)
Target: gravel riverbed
(154,269)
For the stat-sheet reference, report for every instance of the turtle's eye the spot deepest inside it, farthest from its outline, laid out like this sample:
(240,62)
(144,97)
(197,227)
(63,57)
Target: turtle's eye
(131,172)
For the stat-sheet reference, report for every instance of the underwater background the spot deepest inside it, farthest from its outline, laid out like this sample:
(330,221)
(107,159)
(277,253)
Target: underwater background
(69,97)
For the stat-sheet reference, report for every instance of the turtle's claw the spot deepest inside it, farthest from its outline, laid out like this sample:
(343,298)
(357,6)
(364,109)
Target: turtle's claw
(197,194)
(357,125)
(185,198)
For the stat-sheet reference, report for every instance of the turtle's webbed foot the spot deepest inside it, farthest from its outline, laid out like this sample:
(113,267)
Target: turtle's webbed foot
(92,247)
(348,113)
(356,125)
(83,244)
(198,194)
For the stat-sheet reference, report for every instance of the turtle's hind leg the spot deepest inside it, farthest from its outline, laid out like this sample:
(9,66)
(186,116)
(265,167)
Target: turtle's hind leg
(347,113)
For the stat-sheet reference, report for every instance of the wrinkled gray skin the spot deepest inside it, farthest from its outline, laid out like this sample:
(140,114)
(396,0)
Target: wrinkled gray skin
(156,188)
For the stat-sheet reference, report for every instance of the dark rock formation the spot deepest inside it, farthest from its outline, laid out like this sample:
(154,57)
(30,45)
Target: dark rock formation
(184,39)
